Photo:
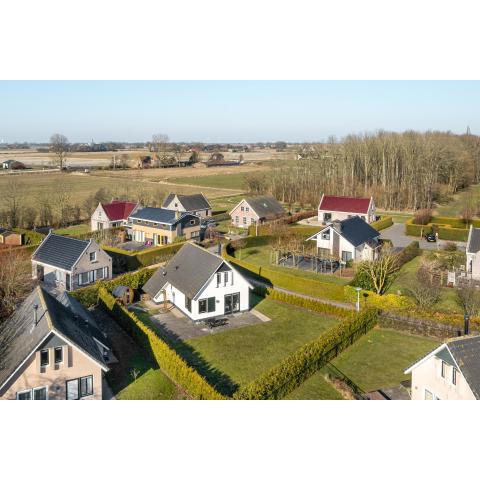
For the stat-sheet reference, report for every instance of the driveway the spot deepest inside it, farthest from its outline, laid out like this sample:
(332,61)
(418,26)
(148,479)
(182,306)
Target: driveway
(396,233)
(178,327)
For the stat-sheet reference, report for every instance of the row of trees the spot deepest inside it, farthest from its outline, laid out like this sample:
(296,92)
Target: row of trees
(409,170)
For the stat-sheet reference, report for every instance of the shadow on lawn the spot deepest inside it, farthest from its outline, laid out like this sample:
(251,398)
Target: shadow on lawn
(215,377)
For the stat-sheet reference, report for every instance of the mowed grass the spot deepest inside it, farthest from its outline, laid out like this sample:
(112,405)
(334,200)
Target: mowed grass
(260,255)
(245,353)
(379,358)
(315,388)
(234,181)
(454,207)
(74,229)
(152,385)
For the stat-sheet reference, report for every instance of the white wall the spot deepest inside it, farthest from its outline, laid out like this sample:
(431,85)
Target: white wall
(428,376)
(99,215)
(475,259)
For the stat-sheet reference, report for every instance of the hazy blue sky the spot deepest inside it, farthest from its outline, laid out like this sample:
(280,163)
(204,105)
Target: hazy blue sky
(236,111)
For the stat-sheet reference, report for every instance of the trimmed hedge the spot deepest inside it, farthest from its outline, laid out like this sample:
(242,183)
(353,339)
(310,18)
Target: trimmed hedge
(313,305)
(30,237)
(448,228)
(307,286)
(88,296)
(124,260)
(383,223)
(168,360)
(282,379)
(411,251)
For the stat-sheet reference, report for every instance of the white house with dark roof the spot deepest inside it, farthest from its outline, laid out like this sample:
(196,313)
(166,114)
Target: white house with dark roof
(196,204)
(200,284)
(350,239)
(333,207)
(450,372)
(51,349)
(473,255)
(68,263)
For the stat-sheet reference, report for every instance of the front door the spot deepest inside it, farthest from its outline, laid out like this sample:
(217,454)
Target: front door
(232,303)
(67,281)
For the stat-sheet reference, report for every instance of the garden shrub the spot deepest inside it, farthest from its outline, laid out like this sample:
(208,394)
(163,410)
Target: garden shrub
(411,251)
(383,223)
(168,360)
(388,301)
(291,372)
(422,217)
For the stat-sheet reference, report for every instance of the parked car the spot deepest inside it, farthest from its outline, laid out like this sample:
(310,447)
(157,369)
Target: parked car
(430,237)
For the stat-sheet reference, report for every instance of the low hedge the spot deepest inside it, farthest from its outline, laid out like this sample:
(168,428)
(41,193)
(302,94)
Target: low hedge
(290,282)
(124,260)
(313,305)
(387,301)
(411,251)
(88,296)
(282,379)
(383,223)
(168,360)
(445,230)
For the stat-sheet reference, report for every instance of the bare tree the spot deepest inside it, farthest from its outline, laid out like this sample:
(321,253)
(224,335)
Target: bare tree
(13,196)
(468,298)
(426,288)
(381,270)
(60,146)
(161,148)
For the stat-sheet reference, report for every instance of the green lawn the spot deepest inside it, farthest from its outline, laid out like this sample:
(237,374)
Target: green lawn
(397,217)
(453,208)
(315,388)
(260,255)
(245,353)
(232,180)
(407,276)
(152,385)
(225,203)
(74,229)
(379,358)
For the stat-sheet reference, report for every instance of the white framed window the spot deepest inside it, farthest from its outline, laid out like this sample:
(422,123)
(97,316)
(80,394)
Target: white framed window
(25,395)
(236,219)
(454,376)
(247,209)
(58,355)
(326,235)
(40,393)
(93,256)
(244,220)
(443,369)
(206,305)
(219,279)
(44,358)
(225,278)
(242,208)
(80,388)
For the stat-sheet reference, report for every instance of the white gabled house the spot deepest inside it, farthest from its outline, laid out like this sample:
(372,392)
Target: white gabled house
(113,214)
(350,239)
(450,372)
(473,253)
(200,284)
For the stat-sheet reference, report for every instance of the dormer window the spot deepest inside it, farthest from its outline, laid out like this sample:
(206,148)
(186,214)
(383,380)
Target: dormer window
(93,256)
(44,361)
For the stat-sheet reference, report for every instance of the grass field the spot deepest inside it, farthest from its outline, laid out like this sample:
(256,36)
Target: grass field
(453,208)
(74,229)
(233,180)
(152,385)
(379,358)
(245,353)
(315,388)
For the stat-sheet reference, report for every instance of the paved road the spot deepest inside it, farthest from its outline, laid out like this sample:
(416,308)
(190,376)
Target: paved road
(396,233)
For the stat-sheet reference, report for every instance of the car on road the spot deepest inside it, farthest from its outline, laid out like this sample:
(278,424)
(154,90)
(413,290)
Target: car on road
(431,237)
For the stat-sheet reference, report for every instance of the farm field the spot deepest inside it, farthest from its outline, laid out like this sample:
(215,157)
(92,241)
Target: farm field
(233,180)
(244,354)
(378,359)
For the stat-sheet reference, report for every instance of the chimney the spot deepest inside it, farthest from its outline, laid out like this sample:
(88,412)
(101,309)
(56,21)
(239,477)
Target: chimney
(466,324)
(35,315)
(337,225)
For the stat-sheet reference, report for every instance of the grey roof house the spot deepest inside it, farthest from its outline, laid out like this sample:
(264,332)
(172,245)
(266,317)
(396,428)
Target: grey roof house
(196,204)
(200,284)
(67,263)
(450,372)
(51,350)
(256,210)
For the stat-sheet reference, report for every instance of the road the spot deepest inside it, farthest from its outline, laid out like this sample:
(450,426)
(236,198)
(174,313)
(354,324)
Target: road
(396,233)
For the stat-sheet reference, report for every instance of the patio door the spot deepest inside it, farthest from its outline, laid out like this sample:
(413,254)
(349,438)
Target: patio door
(232,303)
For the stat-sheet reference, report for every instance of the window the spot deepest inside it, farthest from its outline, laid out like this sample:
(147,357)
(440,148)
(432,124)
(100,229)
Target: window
(247,209)
(192,222)
(79,388)
(40,393)
(244,220)
(99,273)
(242,208)
(327,217)
(346,256)
(44,358)
(443,369)
(326,235)
(93,256)
(27,395)
(58,355)
(454,376)
(236,219)
(219,279)
(252,221)
(188,304)
(225,278)
(206,305)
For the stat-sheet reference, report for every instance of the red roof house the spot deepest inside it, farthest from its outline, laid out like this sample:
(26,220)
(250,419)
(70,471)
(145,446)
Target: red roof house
(113,214)
(333,208)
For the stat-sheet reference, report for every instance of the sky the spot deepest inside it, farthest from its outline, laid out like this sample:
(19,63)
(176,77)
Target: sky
(231,111)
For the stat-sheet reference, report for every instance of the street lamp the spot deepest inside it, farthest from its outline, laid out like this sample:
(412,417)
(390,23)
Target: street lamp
(358,289)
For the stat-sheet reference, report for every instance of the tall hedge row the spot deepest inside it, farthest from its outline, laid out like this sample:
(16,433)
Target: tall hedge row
(282,379)
(453,229)
(383,223)
(168,360)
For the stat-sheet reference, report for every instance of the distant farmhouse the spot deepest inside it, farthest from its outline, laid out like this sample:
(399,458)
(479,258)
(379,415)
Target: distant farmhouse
(196,204)
(450,372)
(256,210)
(159,226)
(13,165)
(113,214)
(350,239)
(340,208)
(67,263)
(200,284)
(52,349)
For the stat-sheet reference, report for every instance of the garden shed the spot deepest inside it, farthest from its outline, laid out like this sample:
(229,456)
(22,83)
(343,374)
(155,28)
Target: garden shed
(124,294)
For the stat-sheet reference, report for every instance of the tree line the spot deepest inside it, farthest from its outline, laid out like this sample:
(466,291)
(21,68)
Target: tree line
(409,170)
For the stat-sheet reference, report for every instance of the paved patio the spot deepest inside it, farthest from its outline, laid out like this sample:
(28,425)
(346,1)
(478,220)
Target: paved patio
(179,327)
(133,246)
